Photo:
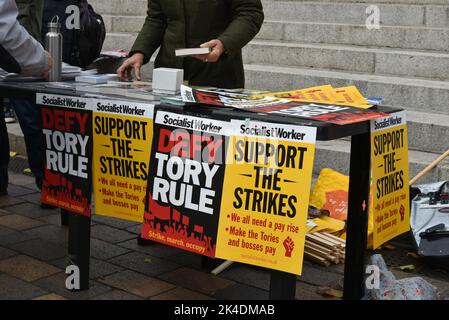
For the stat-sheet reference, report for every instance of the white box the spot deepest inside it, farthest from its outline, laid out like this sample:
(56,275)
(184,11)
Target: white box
(167,79)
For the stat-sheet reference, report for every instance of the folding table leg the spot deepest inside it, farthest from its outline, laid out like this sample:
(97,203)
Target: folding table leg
(357,223)
(282,285)
(79,246)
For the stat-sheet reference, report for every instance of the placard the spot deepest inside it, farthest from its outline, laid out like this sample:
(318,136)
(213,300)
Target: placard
(390,208)
(266,195)
(123,132)
(67,134)
(185,181)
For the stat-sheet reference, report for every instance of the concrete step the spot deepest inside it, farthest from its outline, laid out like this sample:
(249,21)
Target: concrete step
(423,38)
(402,62)
(123,24)
(120,7)
(119,40)
(355,13)
(409,93)
(428,131)
(335,154)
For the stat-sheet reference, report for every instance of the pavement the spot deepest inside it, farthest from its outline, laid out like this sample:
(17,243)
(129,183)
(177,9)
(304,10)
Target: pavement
(33,256)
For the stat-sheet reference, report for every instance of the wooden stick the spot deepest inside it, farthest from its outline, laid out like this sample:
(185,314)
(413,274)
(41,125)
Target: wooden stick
(317,259)
(317,252)
(429,167)
(343,242)
(324,237)
(317,246)
(320,241)
(222,267)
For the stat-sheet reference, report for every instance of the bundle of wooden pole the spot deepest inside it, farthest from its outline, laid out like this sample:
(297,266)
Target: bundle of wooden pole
(324,248)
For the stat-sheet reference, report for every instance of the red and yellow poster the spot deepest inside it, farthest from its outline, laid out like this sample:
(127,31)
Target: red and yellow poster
(67,134)
(389,209)
(266,195)
(123,133)
(185,181)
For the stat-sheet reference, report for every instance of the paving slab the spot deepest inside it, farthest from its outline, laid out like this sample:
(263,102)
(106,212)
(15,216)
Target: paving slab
(27,268)
(181,294)
(18,222)
(318,277)
(97,268)
(4,212)
(9,237)
(31,210)
(15,289)
(9,200)
(117,295)
(110,234)
(144,263)
(56,284)
(41,249)
(137,284)
(114,222)
(103,250)
(51,233)
(54,219)
(19,179)
(306,291)
(187,259)
(6,253)
(241,292)
(34,198)
(156,249)
(51,296)
(195,280)
(17,191)
(249,275)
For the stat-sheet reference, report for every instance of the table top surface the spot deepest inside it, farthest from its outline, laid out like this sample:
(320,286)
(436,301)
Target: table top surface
(325,131)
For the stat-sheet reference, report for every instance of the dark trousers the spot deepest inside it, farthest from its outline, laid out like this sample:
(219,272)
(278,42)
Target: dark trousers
(30,122)
(4,150)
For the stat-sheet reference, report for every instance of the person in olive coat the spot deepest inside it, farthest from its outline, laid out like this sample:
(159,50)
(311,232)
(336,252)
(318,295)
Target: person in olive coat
(225,26)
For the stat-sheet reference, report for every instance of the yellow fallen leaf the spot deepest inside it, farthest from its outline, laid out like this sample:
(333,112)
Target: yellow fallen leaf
(409,267)
(412,254)
(12,154)
(388,246)
(27,170)
(147,260)
(330,292)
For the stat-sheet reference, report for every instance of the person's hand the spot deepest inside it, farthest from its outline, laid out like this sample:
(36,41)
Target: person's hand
(49,65)
(134,62)
(217,50)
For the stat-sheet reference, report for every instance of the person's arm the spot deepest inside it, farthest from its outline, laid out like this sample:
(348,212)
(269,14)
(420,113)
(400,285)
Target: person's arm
(148,40)
(247,20)
(152,33)
(19,51)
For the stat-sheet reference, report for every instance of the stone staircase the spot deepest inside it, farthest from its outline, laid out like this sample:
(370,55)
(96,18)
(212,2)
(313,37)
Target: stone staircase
(307,43)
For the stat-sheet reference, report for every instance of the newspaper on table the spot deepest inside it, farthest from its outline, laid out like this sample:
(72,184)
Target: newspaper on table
(331,113)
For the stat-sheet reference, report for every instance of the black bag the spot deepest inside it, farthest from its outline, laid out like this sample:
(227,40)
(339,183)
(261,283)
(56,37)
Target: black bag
(88,40)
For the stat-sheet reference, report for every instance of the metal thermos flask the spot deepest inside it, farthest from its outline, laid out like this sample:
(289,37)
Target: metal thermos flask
(53,44)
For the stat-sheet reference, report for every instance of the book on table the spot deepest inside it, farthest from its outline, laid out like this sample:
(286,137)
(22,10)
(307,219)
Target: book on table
(182,52)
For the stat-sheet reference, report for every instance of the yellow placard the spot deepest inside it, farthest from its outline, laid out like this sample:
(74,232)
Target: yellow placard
(266,195)
(122,143)
(346,96)
(389,209)
(351,96)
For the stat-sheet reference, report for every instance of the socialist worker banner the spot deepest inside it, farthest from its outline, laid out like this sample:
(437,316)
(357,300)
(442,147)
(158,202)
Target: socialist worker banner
(185,181)
(67,134)
(266,195)
(389,210)
(123,133)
